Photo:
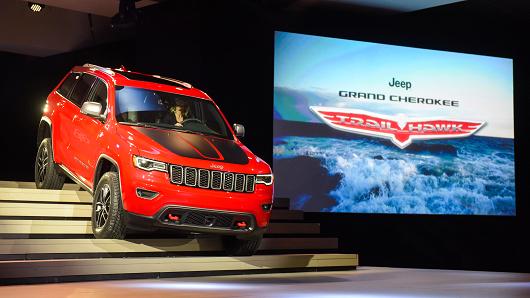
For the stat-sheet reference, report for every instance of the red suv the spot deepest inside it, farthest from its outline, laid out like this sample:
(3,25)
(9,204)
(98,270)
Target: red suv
(154,152)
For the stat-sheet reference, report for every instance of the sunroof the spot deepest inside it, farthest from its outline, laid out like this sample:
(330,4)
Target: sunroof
(152,79)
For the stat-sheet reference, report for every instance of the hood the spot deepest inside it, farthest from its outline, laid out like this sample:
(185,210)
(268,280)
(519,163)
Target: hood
(196,145)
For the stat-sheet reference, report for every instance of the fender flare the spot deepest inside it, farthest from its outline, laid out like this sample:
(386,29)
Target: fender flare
(96,172)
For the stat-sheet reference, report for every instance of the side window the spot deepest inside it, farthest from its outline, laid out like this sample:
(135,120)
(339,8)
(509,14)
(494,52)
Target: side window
(100,94)
(80,92)
(68,84)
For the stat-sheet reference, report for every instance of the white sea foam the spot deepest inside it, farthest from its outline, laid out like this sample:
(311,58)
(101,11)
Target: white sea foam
(376,178)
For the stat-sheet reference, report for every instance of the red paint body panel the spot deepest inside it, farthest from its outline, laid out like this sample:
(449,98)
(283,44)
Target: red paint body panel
(79,141)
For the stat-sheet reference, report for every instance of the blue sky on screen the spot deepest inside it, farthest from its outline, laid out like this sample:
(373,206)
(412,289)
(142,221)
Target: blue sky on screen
(311,70)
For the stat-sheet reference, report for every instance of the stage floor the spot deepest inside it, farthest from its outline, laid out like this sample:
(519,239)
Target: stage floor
(370,282)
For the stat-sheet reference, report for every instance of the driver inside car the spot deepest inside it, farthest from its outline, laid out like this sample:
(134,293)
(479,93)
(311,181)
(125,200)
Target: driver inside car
(178,114)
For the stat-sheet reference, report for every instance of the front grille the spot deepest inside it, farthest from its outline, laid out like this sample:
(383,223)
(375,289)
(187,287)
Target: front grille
(177,174)
(204,178)
(251,180)
(190,177)
(240,182)
(228,184)
(215,180)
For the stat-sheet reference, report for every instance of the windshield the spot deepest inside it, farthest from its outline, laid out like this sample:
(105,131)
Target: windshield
(146,107)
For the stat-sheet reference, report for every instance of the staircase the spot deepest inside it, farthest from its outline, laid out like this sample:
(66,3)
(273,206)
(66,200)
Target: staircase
(46,236)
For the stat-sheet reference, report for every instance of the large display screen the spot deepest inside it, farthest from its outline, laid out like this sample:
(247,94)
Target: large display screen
(365,127)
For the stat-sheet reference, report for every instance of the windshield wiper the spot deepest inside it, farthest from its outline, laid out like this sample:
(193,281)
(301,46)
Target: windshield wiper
(143,124)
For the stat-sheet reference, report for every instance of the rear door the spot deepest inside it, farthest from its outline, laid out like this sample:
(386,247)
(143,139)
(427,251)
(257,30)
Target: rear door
(77,136)
(62,119)
(88,133)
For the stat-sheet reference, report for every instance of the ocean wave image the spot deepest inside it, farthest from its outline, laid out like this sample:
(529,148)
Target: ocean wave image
(470,176)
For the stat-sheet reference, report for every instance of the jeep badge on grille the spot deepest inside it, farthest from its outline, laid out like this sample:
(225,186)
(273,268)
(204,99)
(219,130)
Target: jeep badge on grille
(214,166)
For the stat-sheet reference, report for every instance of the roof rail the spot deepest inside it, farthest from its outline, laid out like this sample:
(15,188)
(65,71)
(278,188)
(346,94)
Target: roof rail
(101,68)
(184,84)
(123,69)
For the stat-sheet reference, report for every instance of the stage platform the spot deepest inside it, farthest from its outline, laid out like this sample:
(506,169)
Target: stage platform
(366,282)
(46,236)
(36,271)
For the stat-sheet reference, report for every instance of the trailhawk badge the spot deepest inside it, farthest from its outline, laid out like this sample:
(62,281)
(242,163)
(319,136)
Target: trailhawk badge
(399,129)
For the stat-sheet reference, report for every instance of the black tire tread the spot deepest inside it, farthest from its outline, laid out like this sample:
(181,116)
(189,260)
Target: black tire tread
(115,228)
(53,179)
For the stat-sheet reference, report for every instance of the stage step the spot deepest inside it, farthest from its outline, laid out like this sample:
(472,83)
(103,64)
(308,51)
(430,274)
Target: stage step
(45,210)
(11,249)
(294,228)
(31,185)
(26,248)
(52,270)
(41,195)
(48,238)
(83,227)
(281,203)
(50,227)
(294,215)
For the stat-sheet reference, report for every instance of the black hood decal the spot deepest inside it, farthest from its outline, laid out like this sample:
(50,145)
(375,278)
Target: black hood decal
(197,146)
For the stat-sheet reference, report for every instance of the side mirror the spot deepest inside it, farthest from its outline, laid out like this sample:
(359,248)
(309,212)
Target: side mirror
(92,109)
(239,130)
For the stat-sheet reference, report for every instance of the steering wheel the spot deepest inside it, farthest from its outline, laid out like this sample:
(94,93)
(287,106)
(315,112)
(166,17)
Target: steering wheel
(191,120)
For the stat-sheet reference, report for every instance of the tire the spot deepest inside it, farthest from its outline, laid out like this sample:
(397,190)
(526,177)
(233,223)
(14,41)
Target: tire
(46,174)
(108,216)
(241,247)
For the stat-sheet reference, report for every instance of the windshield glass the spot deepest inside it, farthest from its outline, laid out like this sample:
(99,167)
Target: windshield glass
(146,107)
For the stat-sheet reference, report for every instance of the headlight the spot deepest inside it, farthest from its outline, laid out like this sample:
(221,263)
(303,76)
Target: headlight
(149,164)
(265,179)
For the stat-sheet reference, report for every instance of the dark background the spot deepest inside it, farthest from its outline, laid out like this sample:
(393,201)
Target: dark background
(226,48)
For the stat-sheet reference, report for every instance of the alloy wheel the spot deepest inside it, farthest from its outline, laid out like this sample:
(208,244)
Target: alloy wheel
(102,206)
(42,164)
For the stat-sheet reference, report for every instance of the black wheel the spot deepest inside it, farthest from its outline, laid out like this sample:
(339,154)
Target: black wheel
(46,174)
(108,217)
(241,247)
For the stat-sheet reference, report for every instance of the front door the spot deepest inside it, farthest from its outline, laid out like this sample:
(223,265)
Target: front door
(87,134)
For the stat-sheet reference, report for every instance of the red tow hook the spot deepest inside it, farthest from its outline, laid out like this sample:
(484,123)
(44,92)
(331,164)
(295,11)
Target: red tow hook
(173,217)
(241,224)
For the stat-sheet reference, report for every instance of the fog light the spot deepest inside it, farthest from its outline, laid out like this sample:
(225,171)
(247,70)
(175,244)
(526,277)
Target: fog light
(266,207)
(146,194)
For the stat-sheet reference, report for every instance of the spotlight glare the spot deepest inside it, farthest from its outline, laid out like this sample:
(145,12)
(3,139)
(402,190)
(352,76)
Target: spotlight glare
(197,286)
(35,7)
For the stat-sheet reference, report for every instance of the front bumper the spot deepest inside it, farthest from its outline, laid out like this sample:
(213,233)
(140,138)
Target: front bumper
(197,220)
(178,195)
